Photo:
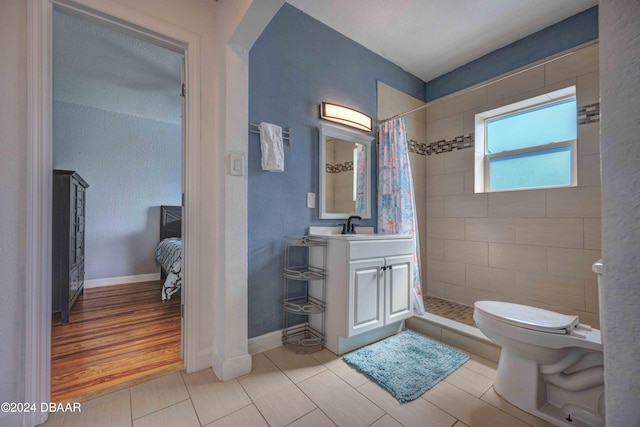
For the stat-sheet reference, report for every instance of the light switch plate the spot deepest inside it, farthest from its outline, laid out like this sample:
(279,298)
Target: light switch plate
(236,164)
(311,200)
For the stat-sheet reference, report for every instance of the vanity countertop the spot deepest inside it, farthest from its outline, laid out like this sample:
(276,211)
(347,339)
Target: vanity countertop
(362,233)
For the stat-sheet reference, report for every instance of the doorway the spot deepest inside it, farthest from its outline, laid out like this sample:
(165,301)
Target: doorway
(39,182)
(117,122)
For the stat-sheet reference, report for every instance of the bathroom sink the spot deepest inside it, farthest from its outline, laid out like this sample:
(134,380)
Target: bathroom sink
(362,233)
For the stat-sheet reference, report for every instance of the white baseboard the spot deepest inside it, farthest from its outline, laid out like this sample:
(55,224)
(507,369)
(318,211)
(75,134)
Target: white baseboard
(202,360)
(230,368)
(110,281)
(265,342)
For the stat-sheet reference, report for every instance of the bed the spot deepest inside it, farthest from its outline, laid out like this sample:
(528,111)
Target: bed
(169,250)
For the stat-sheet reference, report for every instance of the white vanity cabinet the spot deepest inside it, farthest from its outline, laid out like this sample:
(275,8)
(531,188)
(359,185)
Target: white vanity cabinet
(369,293)
(379,292)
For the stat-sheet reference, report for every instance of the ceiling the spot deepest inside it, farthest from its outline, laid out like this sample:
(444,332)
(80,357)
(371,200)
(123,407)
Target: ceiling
(429,38)
(101,68)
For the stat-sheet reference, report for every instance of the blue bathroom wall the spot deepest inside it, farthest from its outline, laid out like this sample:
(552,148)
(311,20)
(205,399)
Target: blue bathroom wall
(573,31)
(297,63)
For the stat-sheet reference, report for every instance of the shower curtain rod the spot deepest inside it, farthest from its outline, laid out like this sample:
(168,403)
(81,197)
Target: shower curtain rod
(490,82)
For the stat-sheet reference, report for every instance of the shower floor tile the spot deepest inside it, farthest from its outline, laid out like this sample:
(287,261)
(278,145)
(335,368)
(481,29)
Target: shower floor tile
(449,310)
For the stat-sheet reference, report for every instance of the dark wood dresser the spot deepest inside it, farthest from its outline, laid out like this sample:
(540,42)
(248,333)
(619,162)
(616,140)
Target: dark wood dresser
(67,266)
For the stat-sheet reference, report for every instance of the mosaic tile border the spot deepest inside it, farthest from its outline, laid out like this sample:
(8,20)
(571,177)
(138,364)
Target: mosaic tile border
(586,114)
(340,167)
(443,146)
(417,147)
(589,114)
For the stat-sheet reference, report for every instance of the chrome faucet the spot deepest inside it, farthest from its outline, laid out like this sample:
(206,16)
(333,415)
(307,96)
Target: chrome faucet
(349,228)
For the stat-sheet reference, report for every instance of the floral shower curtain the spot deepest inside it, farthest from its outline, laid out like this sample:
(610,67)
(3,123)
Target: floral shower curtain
(396,201)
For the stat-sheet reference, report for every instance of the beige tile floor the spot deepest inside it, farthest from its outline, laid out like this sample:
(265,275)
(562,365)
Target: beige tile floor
(288,389)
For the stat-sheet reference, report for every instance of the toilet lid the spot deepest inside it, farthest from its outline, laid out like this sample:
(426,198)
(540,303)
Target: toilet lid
(533,318)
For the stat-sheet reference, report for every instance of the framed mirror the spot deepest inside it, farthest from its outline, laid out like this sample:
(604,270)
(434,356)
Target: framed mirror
(345,173)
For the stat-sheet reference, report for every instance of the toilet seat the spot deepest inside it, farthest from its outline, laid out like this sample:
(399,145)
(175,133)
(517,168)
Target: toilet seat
(532,318)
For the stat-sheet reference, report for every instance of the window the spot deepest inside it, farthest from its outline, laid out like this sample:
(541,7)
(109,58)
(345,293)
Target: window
(529,144)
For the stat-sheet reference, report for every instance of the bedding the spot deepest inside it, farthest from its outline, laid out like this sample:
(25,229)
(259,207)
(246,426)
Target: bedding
(169,255)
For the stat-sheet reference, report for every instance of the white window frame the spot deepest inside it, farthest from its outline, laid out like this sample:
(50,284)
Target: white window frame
(482,158)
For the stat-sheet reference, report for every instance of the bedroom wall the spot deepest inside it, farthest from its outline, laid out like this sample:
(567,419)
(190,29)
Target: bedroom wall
(116,120)
(295,64)
(133,165)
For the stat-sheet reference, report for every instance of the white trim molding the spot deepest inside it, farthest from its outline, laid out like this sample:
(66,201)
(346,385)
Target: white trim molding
(231,367)
(111,281)
(265,342)
(482,158)
(39,182)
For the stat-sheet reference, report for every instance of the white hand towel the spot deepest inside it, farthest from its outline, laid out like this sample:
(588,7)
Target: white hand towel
(271,145)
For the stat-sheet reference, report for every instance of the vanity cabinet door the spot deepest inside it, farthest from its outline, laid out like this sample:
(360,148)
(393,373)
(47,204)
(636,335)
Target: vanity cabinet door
(366,296)
(398,296)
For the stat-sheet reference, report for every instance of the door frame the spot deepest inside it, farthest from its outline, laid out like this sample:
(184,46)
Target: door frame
(40,164)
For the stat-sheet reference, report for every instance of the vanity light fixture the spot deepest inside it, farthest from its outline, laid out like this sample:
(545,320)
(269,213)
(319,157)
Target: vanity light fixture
(345,116)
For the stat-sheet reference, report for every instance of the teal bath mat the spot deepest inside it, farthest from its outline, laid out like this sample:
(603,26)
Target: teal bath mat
(407,364)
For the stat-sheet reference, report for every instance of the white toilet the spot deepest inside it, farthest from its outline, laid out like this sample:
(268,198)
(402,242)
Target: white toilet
(550,365)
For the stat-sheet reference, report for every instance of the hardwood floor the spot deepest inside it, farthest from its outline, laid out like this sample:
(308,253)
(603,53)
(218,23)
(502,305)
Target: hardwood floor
(117,335)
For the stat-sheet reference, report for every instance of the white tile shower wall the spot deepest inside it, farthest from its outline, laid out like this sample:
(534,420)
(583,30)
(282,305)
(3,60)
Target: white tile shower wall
(391,102)
(532,247)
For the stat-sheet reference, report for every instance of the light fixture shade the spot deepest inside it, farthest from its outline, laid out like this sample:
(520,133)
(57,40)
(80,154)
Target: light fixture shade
(345,116)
